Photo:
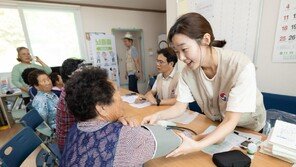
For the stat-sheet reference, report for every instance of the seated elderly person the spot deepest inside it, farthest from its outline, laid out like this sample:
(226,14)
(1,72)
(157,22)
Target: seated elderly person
(45,102)
(25,76)
(57,83)
(97,138)
(64,118)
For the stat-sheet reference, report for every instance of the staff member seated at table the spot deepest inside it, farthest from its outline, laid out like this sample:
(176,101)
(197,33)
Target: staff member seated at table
(45,102)
(97,138)
(163,91)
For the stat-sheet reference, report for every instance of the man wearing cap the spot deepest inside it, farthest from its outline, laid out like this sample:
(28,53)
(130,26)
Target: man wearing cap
(133,69)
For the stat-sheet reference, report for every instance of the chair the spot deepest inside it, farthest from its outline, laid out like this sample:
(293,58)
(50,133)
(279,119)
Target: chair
(193,106)
(29,106)
(151,81)
(33,119)
(15,151)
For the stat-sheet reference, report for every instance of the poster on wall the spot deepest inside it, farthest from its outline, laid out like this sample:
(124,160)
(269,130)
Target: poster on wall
(285,39)
(102,52)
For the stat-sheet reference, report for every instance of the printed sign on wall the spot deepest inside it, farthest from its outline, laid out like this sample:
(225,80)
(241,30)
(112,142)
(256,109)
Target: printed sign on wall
(285,39)
(102,52)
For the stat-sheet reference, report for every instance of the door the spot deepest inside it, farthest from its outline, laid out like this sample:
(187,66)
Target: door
(121,51)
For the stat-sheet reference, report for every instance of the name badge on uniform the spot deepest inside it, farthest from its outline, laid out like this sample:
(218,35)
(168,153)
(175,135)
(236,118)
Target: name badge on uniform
(173,93)
(223,96)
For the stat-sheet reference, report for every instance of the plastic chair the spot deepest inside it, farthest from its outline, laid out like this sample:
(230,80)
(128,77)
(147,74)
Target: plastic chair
(15,151)
(29,106)
(33,119)
(193,106)
(151,81)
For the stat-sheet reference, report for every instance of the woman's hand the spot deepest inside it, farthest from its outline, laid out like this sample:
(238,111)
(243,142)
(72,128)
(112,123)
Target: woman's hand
(129,121)
(140,99)
(188,146)
(37,59)
(151,99)
(151,119)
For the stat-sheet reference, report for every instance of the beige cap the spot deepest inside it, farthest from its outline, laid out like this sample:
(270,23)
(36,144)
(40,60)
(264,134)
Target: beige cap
(128,35)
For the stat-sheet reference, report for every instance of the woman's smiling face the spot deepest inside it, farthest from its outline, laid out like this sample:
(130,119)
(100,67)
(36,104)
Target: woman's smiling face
(187,50)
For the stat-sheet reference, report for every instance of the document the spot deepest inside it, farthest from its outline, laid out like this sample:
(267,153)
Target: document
(284,134)
(140,105)
(131,100)
(185,118)
(232,140)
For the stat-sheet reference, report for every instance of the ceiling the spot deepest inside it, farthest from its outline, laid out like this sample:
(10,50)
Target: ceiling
(158,5)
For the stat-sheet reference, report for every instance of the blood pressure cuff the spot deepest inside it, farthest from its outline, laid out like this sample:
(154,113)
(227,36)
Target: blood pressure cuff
(234,158)
(166,140)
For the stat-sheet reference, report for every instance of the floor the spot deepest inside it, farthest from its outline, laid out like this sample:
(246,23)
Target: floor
(6,135)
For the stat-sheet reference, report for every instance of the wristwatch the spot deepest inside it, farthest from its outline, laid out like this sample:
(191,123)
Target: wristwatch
(158,101)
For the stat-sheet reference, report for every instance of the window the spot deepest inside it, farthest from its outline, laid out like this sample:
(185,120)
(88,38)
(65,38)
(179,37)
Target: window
(50,34)
(11,36)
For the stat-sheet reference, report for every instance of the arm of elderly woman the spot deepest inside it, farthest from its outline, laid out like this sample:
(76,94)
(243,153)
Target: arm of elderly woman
(135,146)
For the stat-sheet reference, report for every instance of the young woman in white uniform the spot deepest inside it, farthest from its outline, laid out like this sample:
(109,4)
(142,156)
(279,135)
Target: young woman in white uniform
(221,81)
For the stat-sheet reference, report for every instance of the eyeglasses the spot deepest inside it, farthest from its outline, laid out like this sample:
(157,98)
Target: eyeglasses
(160,62)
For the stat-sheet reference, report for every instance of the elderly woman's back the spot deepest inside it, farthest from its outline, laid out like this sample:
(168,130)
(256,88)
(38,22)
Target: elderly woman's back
(98,139)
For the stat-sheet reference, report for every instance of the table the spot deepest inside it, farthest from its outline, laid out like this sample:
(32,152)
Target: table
(200,124)
(5,114)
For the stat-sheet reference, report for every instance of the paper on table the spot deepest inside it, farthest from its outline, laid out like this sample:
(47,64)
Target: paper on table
(252,137)
(230,141)
(129,99)
(284,134)
(141,105)
(185,118)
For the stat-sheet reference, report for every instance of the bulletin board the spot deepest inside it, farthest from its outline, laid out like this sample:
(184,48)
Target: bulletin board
(285,39)
(236,21)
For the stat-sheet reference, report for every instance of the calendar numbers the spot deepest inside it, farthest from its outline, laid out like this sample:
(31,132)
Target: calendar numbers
(292,37)
(284,46)
(282,38)
(284,28)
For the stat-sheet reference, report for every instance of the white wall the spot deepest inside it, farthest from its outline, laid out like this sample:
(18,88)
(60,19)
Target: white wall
(153,24)
(171,16)
(171,13)
(279,78)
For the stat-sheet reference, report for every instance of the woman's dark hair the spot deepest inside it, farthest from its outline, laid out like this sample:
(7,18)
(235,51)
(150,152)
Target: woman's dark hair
(25,74)
(195,26)
(33,77)
(54,77)
(18,49)
(68,67)
(170,55)
(86,89)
